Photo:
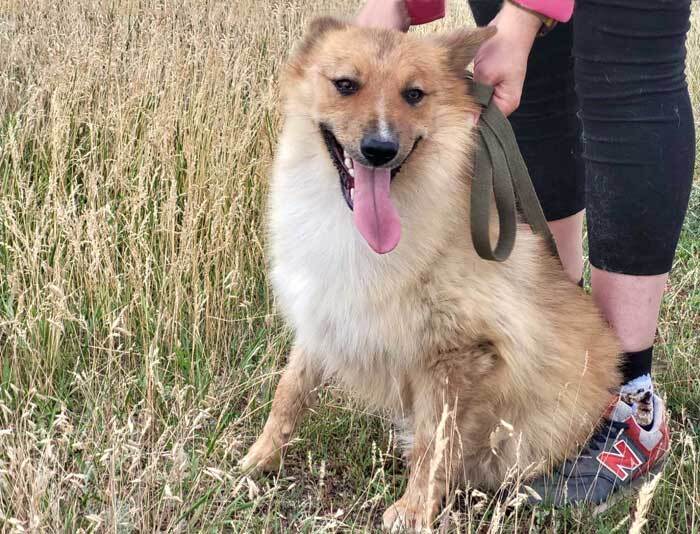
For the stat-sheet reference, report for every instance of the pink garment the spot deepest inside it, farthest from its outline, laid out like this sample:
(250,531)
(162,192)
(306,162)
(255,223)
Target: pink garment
(422,11)
(560,10)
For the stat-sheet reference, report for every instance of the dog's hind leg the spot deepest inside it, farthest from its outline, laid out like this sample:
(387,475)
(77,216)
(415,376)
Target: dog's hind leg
(295,394)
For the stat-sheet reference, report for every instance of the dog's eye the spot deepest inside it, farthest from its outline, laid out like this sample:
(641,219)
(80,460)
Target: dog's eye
(413,96)
(346,87)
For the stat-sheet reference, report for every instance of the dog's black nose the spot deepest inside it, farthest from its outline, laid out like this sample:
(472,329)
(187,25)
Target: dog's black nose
(378,151)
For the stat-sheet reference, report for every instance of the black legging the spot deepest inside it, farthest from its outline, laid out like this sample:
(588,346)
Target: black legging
(605,123)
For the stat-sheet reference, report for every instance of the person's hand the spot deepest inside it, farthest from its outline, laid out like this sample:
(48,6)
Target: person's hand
(391,14)
(502,60)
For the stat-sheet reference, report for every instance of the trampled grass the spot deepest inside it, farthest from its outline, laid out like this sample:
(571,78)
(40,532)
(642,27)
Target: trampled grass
(139,344)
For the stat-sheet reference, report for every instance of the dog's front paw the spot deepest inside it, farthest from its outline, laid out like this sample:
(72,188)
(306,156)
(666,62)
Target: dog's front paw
(405,515)
(264,456)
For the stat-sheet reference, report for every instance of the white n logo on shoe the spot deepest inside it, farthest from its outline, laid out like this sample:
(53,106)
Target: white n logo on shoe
(622,462)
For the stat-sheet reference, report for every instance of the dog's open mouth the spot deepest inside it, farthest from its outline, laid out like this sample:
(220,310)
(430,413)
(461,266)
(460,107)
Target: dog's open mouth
(345,166)
(366,192)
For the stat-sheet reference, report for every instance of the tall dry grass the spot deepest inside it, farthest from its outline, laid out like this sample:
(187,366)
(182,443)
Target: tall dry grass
(138,337)
(136,139)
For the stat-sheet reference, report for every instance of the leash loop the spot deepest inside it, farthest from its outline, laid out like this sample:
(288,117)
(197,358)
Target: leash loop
(500,173)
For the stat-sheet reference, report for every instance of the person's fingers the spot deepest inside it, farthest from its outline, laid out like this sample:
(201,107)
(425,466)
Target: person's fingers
(506,103)
(502,105)
(485,75)
(384,14)
(502,71)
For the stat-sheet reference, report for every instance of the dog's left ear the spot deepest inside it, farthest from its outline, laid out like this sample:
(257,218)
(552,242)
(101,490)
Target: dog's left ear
(461,46)
(318,28)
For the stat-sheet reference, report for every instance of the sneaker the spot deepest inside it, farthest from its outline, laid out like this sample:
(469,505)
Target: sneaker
(614,460)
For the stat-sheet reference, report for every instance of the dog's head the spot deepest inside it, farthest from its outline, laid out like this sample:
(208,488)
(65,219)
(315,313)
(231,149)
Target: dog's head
(375,96)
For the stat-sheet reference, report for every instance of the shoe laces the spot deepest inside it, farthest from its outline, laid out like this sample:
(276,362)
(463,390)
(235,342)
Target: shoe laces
(602,435)
(610,429)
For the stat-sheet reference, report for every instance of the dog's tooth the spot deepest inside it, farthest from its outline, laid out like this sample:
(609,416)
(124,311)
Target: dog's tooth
(351,172)
(352,193)
(348,162)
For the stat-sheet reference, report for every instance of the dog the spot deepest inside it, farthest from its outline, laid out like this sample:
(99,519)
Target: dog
(373,267)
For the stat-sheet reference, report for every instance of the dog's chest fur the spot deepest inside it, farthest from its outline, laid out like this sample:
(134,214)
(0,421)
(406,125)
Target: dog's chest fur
(363,316)
(346,306)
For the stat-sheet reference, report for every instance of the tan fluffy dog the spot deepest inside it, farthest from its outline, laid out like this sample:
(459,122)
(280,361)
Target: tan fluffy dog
(375,271)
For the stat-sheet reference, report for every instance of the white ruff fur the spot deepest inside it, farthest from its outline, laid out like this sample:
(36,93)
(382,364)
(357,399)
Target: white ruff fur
(357,312)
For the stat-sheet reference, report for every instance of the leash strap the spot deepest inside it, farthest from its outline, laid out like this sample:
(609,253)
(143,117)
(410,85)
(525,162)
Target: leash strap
(500,171)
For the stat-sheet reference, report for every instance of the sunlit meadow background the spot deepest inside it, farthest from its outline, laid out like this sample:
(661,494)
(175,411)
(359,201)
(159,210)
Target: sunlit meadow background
(139,344)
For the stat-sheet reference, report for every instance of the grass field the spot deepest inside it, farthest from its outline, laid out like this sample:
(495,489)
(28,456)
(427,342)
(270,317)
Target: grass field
(139,344)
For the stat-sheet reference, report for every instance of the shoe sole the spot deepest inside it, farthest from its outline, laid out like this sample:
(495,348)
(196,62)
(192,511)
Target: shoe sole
(631,488)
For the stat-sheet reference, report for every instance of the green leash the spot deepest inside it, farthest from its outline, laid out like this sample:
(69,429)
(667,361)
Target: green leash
(500,171)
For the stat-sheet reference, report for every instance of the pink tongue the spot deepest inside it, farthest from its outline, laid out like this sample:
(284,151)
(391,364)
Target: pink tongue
(375,216)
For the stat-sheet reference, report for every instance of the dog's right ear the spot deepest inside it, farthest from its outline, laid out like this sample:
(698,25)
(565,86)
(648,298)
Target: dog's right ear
(318,28)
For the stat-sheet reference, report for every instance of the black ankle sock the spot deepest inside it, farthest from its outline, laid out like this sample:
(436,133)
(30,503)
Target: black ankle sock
(635,364)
